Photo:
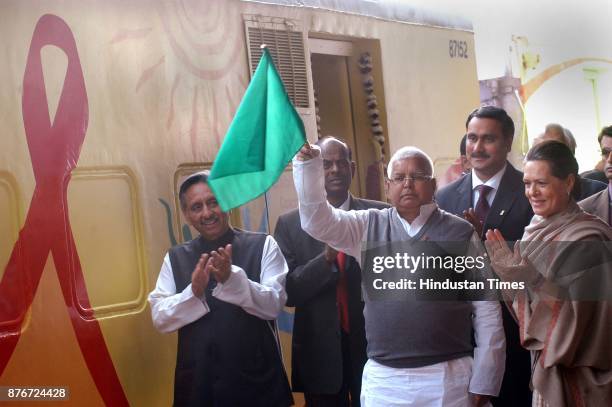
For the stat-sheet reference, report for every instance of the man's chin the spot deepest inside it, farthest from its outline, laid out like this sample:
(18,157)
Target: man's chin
(336,190)
(212,233)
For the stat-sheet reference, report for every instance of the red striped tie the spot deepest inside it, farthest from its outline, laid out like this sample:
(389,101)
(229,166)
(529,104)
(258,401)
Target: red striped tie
(482,206)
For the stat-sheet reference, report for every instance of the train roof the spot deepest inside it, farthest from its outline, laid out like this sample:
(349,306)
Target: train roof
(390,10)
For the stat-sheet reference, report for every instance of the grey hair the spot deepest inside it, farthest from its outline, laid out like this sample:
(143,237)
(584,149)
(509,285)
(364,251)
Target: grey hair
(566,135)
(407,152)
(571,140)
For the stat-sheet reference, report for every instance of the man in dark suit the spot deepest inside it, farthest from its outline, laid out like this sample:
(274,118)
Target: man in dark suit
(492,196)
(329,345)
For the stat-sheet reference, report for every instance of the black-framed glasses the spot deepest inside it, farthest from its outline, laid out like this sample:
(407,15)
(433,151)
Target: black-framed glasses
(401,179)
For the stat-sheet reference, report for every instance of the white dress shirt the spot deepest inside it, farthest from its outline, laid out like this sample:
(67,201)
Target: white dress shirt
(492,182)
(346,231)
(171,310)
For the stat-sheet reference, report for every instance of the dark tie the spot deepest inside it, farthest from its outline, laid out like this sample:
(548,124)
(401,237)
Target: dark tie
(342,292)
(482,206)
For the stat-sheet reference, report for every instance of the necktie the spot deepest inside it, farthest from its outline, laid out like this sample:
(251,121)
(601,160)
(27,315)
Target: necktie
(342,292)
(482,206)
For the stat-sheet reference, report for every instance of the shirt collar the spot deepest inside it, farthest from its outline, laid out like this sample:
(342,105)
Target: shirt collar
(346,204)
(492,182)
(425,212)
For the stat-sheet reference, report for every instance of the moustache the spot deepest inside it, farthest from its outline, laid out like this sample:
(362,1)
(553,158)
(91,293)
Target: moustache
(480,155)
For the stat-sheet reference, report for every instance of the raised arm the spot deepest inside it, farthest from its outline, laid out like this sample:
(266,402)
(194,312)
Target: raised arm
(340,229)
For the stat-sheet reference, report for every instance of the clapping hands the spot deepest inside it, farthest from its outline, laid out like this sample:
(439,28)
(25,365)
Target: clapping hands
(218,263)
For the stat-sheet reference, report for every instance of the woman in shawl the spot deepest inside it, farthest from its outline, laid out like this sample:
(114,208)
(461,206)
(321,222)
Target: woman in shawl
(564,312)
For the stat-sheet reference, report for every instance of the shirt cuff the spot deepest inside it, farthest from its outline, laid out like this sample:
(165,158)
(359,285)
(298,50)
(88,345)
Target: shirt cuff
(231,284)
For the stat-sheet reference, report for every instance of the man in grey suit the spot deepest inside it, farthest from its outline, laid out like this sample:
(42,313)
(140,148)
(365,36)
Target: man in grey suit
(329,345)
(600,204)
(492,196)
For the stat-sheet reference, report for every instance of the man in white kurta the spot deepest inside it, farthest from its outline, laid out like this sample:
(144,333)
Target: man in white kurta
(221,291)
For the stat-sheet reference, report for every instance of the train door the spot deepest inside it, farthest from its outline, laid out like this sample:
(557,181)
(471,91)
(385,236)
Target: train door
(349,99)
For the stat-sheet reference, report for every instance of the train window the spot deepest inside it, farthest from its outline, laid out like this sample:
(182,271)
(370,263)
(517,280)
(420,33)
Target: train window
(285,41)
(106,221)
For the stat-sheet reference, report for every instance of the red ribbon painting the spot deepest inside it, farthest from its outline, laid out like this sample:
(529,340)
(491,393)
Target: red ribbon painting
(54,151)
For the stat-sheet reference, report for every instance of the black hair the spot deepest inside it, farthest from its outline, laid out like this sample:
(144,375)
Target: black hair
(462,149)
(341,140)
(191,180)
(560,159)
(496,113)
(606,131)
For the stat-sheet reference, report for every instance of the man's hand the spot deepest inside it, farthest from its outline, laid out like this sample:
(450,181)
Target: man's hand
(307,152)
(471,217)
(201,275)
(330,254)
(221,263)
(479,400)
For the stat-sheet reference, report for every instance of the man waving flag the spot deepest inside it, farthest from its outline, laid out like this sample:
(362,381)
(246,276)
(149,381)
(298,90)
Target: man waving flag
(264,135)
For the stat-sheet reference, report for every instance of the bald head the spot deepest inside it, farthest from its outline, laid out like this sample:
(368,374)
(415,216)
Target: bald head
(334,143)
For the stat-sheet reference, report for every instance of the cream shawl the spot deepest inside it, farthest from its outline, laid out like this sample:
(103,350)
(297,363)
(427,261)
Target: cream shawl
(571,340)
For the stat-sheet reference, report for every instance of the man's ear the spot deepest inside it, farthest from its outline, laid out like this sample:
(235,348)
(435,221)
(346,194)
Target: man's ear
(509,143)
(434,183)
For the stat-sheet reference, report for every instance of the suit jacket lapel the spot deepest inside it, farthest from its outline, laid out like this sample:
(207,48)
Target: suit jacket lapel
(603,205)
(510,188)
(464,195)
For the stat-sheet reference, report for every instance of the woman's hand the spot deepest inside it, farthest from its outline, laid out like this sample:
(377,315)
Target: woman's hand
(505,263)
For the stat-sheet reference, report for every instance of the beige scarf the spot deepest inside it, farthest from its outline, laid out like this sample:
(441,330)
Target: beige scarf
(571,340)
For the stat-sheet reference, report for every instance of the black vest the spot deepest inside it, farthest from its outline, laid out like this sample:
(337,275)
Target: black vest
(228,357)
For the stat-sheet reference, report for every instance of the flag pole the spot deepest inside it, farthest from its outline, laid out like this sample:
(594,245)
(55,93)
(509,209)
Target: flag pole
(263,47)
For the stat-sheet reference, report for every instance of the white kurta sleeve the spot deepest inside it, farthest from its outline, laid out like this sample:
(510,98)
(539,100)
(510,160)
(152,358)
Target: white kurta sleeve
(490,351)
(265,299)
(171,310)
(342,230)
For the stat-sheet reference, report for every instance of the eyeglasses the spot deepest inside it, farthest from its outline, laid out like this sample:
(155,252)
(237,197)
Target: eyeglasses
(416,178)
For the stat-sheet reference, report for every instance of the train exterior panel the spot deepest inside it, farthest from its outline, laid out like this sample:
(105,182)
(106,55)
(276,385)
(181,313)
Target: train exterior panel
(107,105)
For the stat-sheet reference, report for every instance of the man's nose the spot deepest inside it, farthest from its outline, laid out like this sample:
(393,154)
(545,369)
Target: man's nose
(479,145)
(206,212)
(408,183)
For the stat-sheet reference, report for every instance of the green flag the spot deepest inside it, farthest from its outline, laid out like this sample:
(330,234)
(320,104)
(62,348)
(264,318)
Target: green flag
(264,135)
